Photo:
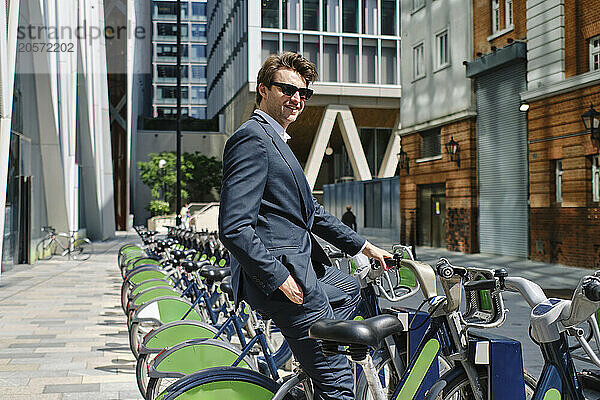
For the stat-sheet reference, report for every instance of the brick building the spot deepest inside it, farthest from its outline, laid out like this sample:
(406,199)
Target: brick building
(438,197)
(499,73)
(563,162)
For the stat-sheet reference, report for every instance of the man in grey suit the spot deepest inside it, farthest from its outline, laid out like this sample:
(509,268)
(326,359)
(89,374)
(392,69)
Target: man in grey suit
(268,219)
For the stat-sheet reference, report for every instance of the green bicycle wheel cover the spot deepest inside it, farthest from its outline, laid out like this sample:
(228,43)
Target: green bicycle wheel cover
(222,262)
(552,394)
(196,357)
(177,334)
(230,390)
(152,294)
(142,276)
(419,370)
(149,284)
(174,311)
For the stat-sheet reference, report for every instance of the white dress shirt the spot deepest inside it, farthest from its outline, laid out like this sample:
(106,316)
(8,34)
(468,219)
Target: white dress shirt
(275,125)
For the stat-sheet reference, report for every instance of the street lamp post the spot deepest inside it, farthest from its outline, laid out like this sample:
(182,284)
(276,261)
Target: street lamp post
(453,148)
(591,121)
(161,169)
(403,159)
(178,164)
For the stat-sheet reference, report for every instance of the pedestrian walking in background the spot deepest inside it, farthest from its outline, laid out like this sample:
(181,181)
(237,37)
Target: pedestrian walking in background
(349,218)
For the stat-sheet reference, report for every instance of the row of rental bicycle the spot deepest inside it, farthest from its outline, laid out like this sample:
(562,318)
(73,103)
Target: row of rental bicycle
(190,341)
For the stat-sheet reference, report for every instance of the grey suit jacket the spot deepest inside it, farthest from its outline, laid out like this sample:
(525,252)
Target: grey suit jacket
(268,217)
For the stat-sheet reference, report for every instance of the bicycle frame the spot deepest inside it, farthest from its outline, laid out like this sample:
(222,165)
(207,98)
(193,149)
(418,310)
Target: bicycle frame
(558,379)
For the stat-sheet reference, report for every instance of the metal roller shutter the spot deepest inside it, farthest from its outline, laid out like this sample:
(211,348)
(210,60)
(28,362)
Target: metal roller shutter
(503,168)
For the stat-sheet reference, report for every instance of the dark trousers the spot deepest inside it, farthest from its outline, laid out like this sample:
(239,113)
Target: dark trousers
(331,374)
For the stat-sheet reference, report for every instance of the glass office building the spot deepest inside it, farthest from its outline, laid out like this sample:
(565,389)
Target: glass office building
(193,58)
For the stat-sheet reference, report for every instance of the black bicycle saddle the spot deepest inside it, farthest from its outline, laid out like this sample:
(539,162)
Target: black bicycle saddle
(369,332)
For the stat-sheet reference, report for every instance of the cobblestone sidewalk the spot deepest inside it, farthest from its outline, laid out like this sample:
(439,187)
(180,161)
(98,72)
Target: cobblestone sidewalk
(63,334)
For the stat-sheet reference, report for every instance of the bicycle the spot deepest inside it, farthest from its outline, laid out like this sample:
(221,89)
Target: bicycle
(64,244)
(362,340)
(552,321)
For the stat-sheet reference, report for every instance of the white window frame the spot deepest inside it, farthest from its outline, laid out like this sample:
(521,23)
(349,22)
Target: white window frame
(508,14)
(495,16)
(439,62)
(595,53)
(558,174)
(596,178)
(418,56)
(417,5)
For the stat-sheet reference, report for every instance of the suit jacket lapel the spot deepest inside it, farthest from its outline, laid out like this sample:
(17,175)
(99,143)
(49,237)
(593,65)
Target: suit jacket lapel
(291,161)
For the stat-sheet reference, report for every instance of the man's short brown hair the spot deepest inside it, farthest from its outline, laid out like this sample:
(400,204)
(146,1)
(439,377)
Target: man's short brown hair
(287,60)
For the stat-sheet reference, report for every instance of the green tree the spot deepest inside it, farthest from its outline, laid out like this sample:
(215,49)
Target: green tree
(199,176)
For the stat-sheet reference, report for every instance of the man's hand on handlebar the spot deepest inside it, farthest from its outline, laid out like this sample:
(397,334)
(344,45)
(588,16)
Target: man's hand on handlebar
(377,253)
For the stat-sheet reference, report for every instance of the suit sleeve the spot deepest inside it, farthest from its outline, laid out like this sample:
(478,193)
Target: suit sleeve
(331,229)
(245,168)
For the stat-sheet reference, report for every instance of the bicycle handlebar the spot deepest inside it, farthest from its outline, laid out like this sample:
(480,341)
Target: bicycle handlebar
(530,291)
(591,290)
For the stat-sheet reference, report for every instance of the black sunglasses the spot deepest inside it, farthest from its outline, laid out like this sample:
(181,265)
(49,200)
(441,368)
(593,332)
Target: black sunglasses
(290,90)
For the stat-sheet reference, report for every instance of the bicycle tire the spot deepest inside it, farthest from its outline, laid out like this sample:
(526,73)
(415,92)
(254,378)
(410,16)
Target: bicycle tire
(458,386)
(82,249)
(230,383)
(44,250)
(141,373)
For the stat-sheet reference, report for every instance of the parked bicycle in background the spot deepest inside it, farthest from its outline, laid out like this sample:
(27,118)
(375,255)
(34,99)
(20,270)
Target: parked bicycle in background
(64,244)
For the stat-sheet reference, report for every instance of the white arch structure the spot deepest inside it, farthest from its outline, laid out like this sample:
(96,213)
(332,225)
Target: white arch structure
(351,139)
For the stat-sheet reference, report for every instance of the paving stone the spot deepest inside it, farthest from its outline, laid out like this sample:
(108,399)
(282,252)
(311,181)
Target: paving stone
(72,388)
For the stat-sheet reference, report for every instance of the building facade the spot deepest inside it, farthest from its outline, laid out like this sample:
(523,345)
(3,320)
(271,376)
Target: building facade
(498,70)
(55,150)
(438,193)
(348,128)
(563,80)
(193,58)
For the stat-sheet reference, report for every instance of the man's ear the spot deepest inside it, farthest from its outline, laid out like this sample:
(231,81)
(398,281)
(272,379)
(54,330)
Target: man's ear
(262,89)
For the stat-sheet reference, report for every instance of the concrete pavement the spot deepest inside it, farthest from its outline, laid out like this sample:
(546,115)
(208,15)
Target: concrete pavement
(62,331)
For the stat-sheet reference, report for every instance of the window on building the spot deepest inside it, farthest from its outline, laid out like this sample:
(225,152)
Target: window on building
(558,175)
(291,43)
(508,13)
(369,17)
(418,4)
(170,92)
(170,112)
(330,18)
(198,51)
(369,61)
(170,50)
(198,94)
(442,57)
(311,49)
(330,56)
(388,17)
(198,31)
(269,44)
(388,62)
(418,61)
(595,53)
(495,16)
(289,15)
(198,73)
(374,143)
(350,16)
(169,29)
(350,60)
(431,144)
(270,13)
(199,9)
(198,112)
(170,71)
(596,178)
(169,9)
(310,15)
